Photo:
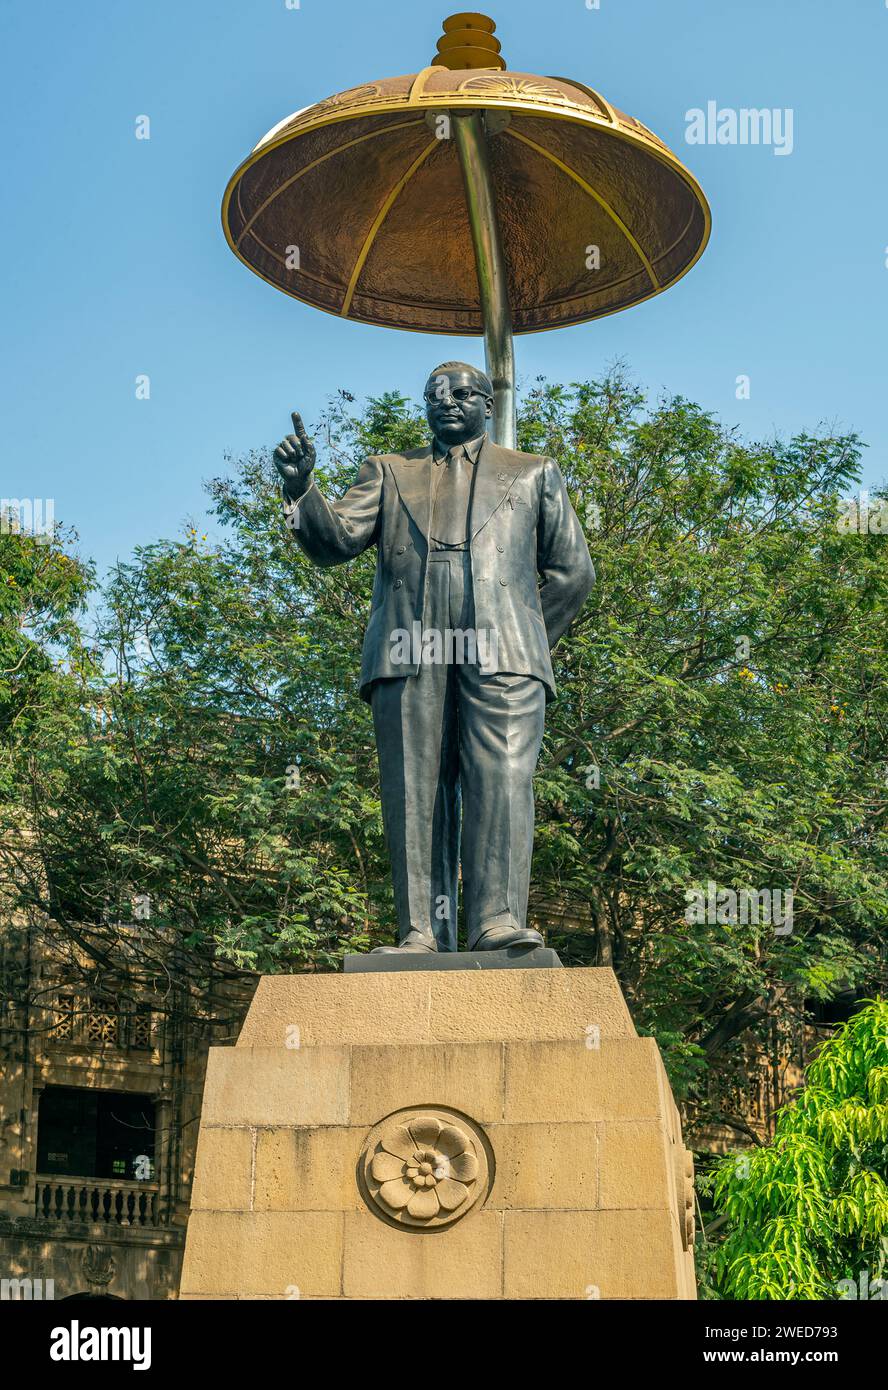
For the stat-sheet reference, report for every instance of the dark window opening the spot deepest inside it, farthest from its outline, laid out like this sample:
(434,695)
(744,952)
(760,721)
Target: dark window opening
(831,1012)
(96,1134)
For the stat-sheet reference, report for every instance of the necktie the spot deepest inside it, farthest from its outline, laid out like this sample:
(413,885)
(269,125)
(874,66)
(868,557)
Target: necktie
(451,518)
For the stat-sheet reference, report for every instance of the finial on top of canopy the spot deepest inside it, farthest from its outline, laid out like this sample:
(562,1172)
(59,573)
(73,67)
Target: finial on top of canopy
(468,42)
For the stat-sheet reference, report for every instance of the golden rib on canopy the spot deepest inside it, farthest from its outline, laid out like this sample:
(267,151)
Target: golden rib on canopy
(587,188)
(377,223)
(315,164)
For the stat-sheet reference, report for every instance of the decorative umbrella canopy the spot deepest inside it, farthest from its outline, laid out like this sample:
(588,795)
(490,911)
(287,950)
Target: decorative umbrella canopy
(374,201)
(362,204)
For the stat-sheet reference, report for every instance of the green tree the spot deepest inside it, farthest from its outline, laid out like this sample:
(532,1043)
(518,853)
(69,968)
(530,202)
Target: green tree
(43,661)
(43,591)
(808,1214)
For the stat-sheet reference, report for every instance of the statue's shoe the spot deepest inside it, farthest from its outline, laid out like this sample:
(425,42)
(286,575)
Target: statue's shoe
(414,942)
(499,938)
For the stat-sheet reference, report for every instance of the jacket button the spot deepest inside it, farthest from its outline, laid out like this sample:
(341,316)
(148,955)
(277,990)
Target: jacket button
(397,584)
(401,549)
(504,581)
(500,549)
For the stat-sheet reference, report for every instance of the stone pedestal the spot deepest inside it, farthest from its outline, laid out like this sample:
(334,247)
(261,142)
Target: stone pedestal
(482,1134)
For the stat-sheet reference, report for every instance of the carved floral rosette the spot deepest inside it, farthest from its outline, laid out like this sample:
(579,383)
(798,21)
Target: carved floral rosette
(425,1168)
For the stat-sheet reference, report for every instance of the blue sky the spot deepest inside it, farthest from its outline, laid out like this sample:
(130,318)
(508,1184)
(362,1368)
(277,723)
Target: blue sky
(115,264)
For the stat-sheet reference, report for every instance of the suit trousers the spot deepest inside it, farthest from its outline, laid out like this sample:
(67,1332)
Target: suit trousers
(457,752)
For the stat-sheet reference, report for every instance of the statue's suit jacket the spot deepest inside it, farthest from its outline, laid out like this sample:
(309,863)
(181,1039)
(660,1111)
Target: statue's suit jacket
(531,569)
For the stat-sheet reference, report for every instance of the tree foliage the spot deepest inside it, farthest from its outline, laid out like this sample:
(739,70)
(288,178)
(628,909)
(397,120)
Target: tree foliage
(808,1213)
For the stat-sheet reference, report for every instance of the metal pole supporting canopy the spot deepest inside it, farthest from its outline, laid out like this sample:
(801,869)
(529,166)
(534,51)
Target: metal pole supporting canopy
(471,142)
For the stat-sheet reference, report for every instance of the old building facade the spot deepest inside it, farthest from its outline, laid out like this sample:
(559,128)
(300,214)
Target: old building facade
(100,1094)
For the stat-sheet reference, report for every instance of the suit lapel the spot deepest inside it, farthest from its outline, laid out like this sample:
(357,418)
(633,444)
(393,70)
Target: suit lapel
(496,471)
(413,478)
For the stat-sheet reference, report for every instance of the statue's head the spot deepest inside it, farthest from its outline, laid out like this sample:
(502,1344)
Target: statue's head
(459,402)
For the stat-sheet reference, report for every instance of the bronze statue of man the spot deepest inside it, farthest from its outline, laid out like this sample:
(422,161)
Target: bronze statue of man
(481,567)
